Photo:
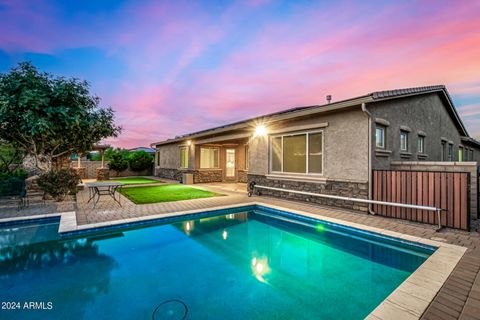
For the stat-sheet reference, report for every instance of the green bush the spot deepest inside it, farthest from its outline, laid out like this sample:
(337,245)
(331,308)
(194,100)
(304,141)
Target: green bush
(59,183)
(140,160)
(18,173)
(118,162)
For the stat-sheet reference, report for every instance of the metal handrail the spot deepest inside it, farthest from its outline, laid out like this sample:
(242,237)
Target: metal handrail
(252,186)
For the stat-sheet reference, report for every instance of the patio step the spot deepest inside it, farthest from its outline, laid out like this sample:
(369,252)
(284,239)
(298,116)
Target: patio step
(6,203)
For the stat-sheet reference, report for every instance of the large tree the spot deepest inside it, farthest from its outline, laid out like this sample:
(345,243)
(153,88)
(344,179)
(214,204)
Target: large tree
(10,157)
(51,117)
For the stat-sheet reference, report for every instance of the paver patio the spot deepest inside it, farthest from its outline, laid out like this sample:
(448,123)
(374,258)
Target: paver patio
(459,298)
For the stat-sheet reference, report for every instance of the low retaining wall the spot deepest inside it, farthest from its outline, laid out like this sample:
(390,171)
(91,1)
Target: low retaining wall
(337,188)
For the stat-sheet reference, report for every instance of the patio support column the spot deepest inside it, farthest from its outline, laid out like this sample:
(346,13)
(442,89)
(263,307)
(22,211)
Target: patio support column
(103,158)
(82,172)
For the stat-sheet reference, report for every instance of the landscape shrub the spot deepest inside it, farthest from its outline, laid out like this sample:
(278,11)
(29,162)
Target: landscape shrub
(59,183)
(18,173)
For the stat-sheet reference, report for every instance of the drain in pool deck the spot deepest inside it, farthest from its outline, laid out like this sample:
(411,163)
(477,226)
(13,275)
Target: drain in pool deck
(170,309)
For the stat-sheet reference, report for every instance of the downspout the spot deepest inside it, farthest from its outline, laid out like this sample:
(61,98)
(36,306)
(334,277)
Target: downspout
(369,115)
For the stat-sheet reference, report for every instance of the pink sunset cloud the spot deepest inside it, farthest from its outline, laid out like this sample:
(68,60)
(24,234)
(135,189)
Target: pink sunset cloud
(170,68)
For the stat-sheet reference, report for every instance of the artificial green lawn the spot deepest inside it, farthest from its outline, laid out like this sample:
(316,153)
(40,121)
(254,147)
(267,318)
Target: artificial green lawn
(136,180)
(165,193)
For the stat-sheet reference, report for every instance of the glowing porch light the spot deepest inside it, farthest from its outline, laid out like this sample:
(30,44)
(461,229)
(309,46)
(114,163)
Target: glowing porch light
(189,142)
(260,130)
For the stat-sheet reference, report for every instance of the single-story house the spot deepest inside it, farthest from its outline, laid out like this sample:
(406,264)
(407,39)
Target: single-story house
(330,148)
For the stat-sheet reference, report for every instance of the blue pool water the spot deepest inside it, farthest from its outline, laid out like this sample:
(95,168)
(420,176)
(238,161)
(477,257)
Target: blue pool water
(255,264)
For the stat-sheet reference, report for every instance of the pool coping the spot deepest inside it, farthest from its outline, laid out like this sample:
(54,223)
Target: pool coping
(408,301)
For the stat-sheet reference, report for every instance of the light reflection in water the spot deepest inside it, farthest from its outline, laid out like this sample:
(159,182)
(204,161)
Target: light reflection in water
(260,268)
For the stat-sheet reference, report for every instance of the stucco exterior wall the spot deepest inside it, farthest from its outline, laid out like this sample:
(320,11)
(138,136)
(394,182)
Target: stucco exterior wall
(425,113)
(258,156)
(169,156)
(345,145)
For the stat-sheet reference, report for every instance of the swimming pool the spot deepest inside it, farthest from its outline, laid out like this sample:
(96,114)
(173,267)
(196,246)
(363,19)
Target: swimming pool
(244,263)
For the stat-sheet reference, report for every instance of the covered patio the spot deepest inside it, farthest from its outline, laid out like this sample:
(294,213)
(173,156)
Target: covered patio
(221,160)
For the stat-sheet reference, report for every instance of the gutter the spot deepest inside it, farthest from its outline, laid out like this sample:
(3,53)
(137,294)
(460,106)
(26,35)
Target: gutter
(369,115)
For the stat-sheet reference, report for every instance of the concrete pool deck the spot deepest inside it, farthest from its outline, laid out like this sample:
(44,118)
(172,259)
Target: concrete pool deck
(447,287)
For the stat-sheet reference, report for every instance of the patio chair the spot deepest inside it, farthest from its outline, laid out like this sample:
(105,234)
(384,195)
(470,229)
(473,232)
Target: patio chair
(13,190)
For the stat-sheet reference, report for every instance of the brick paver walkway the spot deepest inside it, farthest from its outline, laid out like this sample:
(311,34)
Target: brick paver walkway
(459,298)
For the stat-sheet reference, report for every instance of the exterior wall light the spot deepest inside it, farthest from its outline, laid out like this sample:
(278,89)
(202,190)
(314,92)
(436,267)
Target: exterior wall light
(189,142)
(260,130)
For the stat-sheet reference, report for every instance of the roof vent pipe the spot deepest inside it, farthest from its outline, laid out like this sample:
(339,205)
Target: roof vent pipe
(329,99)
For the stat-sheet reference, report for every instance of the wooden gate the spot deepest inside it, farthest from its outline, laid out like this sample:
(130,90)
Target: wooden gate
(446,190)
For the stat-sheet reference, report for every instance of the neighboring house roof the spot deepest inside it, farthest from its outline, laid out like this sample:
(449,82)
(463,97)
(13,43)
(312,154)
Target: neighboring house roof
(146,149)
(306,110)
(471,141)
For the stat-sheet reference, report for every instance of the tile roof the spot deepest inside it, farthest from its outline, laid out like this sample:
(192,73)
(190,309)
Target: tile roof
(406,91)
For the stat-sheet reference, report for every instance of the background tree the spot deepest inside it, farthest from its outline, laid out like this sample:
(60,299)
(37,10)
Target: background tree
(118,159)
(50,117)
(10,158)
(140,160)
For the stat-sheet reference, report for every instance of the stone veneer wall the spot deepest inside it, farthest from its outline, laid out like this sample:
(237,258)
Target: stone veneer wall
(470,167)
(338,188)
(242,176)
(172,174)
(205,176)
(199,176)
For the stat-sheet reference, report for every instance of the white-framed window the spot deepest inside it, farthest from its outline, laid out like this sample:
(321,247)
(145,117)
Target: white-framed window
(209,158)
(403,140)
(450,152)
(380,137)
(184,157)
(421,144)
(157,158)
(297,153)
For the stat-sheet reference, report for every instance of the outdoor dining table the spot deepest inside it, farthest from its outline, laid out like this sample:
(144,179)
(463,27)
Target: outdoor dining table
(107,188)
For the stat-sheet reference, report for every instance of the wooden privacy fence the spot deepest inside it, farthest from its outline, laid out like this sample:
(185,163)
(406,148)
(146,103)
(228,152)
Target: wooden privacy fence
(446,190)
